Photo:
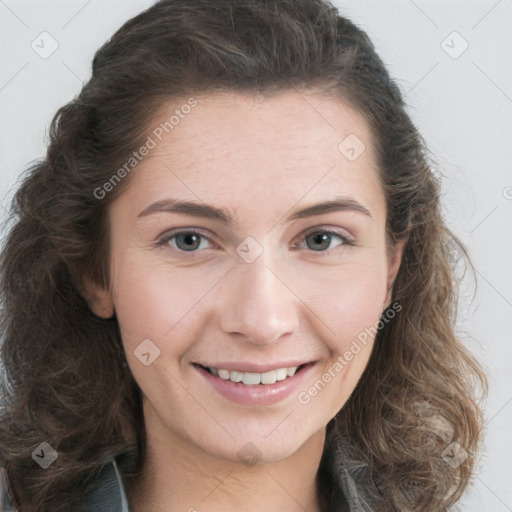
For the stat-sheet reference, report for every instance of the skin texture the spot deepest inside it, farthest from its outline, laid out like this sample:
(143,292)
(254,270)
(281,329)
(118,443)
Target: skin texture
(260,159)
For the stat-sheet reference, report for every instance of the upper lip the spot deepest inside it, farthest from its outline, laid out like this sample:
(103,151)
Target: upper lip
(254,367)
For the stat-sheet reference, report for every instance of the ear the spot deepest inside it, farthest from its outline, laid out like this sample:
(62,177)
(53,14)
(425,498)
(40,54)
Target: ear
(99,299)
(394,259)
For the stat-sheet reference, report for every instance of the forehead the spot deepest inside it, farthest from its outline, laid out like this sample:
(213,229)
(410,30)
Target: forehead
(310,122)
(232,146)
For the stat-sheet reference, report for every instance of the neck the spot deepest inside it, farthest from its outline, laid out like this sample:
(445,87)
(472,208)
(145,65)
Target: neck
(178,476)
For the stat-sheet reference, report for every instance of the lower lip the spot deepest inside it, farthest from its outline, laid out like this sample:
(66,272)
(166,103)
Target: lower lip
(257,394)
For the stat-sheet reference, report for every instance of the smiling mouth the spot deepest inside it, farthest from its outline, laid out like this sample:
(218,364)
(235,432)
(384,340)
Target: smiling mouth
(254,378)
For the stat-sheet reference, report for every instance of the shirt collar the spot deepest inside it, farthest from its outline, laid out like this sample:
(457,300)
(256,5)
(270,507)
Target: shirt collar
(108,494)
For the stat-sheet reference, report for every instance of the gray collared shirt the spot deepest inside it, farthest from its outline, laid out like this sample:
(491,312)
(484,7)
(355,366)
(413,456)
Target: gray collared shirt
(109,495)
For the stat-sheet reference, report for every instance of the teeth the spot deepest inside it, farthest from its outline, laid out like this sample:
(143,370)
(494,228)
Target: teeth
(251,378)
(236,376)
(269,377)
(291,371)
(223,374)
(281,374)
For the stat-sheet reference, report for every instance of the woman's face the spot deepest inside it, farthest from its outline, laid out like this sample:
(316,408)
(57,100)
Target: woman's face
(269,275)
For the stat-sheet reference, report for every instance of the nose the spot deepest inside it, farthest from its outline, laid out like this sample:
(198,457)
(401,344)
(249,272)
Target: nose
(258,304)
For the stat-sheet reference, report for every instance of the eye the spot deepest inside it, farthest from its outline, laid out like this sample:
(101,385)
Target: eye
(186,241)
(321,240)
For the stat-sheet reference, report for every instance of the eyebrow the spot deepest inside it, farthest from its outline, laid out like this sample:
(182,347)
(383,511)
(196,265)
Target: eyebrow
(222,215)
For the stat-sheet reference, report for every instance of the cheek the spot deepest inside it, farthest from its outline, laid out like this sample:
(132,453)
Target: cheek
(347,300)
(154,300)
(348,308)
(156,303)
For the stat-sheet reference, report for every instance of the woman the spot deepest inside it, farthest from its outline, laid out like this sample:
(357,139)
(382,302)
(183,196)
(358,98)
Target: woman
(229,285)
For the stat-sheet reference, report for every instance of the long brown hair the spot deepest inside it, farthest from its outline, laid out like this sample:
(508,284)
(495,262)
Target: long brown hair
(67,382)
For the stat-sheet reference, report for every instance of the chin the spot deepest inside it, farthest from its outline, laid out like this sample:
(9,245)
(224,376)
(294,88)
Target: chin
(263,444)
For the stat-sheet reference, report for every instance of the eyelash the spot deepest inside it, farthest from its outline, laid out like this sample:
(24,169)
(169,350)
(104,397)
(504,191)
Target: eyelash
(166,238)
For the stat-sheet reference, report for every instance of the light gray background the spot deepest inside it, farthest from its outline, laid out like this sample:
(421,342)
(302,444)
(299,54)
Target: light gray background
(462,105)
